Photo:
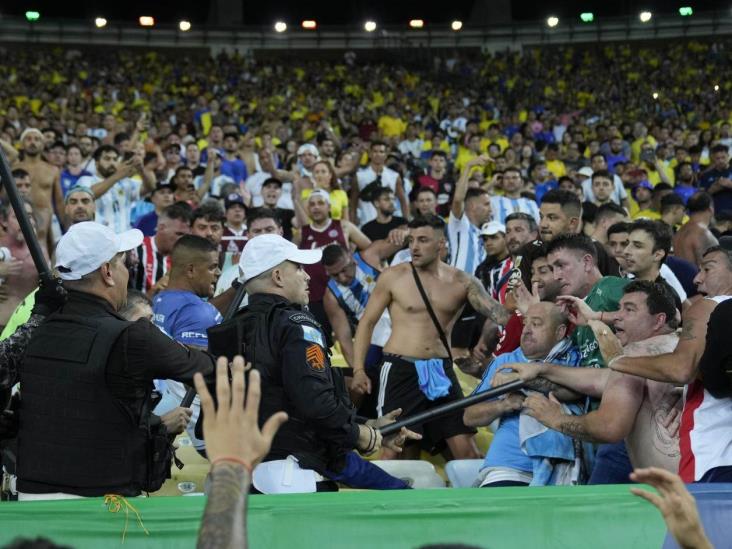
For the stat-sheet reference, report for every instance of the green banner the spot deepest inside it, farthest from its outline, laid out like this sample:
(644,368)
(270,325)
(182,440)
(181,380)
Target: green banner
(499,518)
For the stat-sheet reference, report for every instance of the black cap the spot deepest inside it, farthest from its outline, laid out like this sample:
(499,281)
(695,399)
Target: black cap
(233,199)
(272,181)
(160,185)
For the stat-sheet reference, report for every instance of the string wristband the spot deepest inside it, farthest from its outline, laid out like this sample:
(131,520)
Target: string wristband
(232,459)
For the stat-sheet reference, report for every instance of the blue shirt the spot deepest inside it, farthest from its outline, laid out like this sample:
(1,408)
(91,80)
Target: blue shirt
(184,316)
(236,169)
(148,223)
(723,198)
(68,180)
(505,449)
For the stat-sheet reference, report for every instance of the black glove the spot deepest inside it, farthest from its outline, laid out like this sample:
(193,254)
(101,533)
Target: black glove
(51,296)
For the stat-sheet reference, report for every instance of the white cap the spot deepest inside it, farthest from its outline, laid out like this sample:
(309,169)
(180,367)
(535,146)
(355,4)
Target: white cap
(494,227)
(308,147)
(320,193)
(266,251)
(89,245)
(586,171)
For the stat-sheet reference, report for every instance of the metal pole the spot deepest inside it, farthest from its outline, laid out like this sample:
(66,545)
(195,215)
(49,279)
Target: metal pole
(31,240)
(445,409)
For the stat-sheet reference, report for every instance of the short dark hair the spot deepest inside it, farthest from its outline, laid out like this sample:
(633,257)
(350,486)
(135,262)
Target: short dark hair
(210,211)
(515,170)
(574,242)
(194,243)
(180,169)
(671,201)
(658,299)
(699,202)
(263,213)
(332,253)
(378,143)
(552,147)
(602,173)
(474,193)
(658,231)
(378,193)
(438,152)
(619,227)
(719,148)
(609,210)
(522,216)
(719,248)
(100,150)
(234,135)
(17,173)
(271,180)
(429,220)
(121,137)
(567,200)
(425,190)
(179,210)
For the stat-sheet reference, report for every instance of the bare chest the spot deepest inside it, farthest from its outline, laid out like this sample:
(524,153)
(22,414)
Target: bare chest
(446,297)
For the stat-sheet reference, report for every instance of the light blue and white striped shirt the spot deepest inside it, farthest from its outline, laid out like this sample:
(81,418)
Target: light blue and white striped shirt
(466,248)
(502,207)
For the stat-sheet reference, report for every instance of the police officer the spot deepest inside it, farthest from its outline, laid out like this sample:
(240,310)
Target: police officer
(287,345)
(85,422)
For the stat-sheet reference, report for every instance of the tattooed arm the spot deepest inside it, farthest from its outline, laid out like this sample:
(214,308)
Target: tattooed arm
(235,445)
(680,366)
(482,302)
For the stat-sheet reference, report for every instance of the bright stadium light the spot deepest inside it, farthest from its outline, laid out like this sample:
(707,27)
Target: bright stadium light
(587,17)
(456,25)
(416,23)
(369,26)
(280,26)
(100,22)
(309,24)
(552,21)
(32,16)
(716,87)
(655,95)
(147,21)
(184,26)
(686,11)
(645,16)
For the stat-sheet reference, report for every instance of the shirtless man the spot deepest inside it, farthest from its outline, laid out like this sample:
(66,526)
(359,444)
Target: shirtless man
(706,422)
(46,184)
(694,237)
(415,344)
(644,412)
(20,274)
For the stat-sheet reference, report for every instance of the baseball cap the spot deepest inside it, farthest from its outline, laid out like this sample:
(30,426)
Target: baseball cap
(233,199)
(320,193)
(88,245)
(491,228)
(645,184)
(266,251)
(160,185)
(308,147)
(586,171)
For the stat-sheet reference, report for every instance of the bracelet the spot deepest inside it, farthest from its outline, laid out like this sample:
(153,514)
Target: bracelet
(232,459)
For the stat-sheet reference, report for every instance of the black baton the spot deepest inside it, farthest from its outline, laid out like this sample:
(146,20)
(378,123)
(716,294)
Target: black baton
(233,307)
(31,240)
(445,409)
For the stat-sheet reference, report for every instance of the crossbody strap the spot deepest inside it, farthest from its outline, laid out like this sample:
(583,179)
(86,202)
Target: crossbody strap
(431,311)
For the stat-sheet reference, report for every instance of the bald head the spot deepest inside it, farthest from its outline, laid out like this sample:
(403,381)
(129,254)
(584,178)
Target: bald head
(544,326)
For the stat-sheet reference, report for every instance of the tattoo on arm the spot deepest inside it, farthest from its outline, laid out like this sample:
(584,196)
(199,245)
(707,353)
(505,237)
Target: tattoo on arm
(485,304)
(543,385)
(575,428)
(224,519)
(687,331)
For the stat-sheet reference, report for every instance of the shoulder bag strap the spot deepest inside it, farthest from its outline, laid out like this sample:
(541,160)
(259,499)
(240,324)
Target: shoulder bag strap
(431,311)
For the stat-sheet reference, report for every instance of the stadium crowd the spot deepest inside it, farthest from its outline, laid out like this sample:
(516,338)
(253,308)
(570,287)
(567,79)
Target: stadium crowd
(560,216)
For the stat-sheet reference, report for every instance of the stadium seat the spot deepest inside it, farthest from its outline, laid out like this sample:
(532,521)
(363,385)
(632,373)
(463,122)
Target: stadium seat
(462,472)
(416,473)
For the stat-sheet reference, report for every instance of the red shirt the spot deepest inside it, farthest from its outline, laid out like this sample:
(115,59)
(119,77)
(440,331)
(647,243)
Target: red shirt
(316,239)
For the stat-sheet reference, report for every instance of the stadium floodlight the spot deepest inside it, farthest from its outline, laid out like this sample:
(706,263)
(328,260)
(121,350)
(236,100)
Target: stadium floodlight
(100,22)
(280,26)
(552,21)
(147,21)
(309,24)
(716,87)
(32,16)
(184,26)
(645,16)
(369,26)
(686,11)
(587,17)
(416,23)
(456,25)
(655,95)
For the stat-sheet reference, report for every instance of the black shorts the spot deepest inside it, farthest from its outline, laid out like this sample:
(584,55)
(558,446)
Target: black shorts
(467,329)
(399,388)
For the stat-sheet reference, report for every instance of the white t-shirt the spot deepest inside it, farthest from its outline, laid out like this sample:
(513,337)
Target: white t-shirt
(619,192)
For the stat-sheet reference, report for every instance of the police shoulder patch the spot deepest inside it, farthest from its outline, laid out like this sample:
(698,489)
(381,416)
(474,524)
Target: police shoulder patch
(312,335)
(315,357)
(299,318)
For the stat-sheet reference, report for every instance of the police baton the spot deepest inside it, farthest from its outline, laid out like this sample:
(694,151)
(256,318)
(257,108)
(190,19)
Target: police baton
(233,307)
(31,240)
(445,409)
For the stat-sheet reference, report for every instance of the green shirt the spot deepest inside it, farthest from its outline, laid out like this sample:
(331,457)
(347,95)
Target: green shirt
(604,296)
(20,315)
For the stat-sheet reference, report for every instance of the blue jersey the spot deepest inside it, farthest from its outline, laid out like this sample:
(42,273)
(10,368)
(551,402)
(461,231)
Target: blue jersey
(354,297)
(69,180)
(184,316)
